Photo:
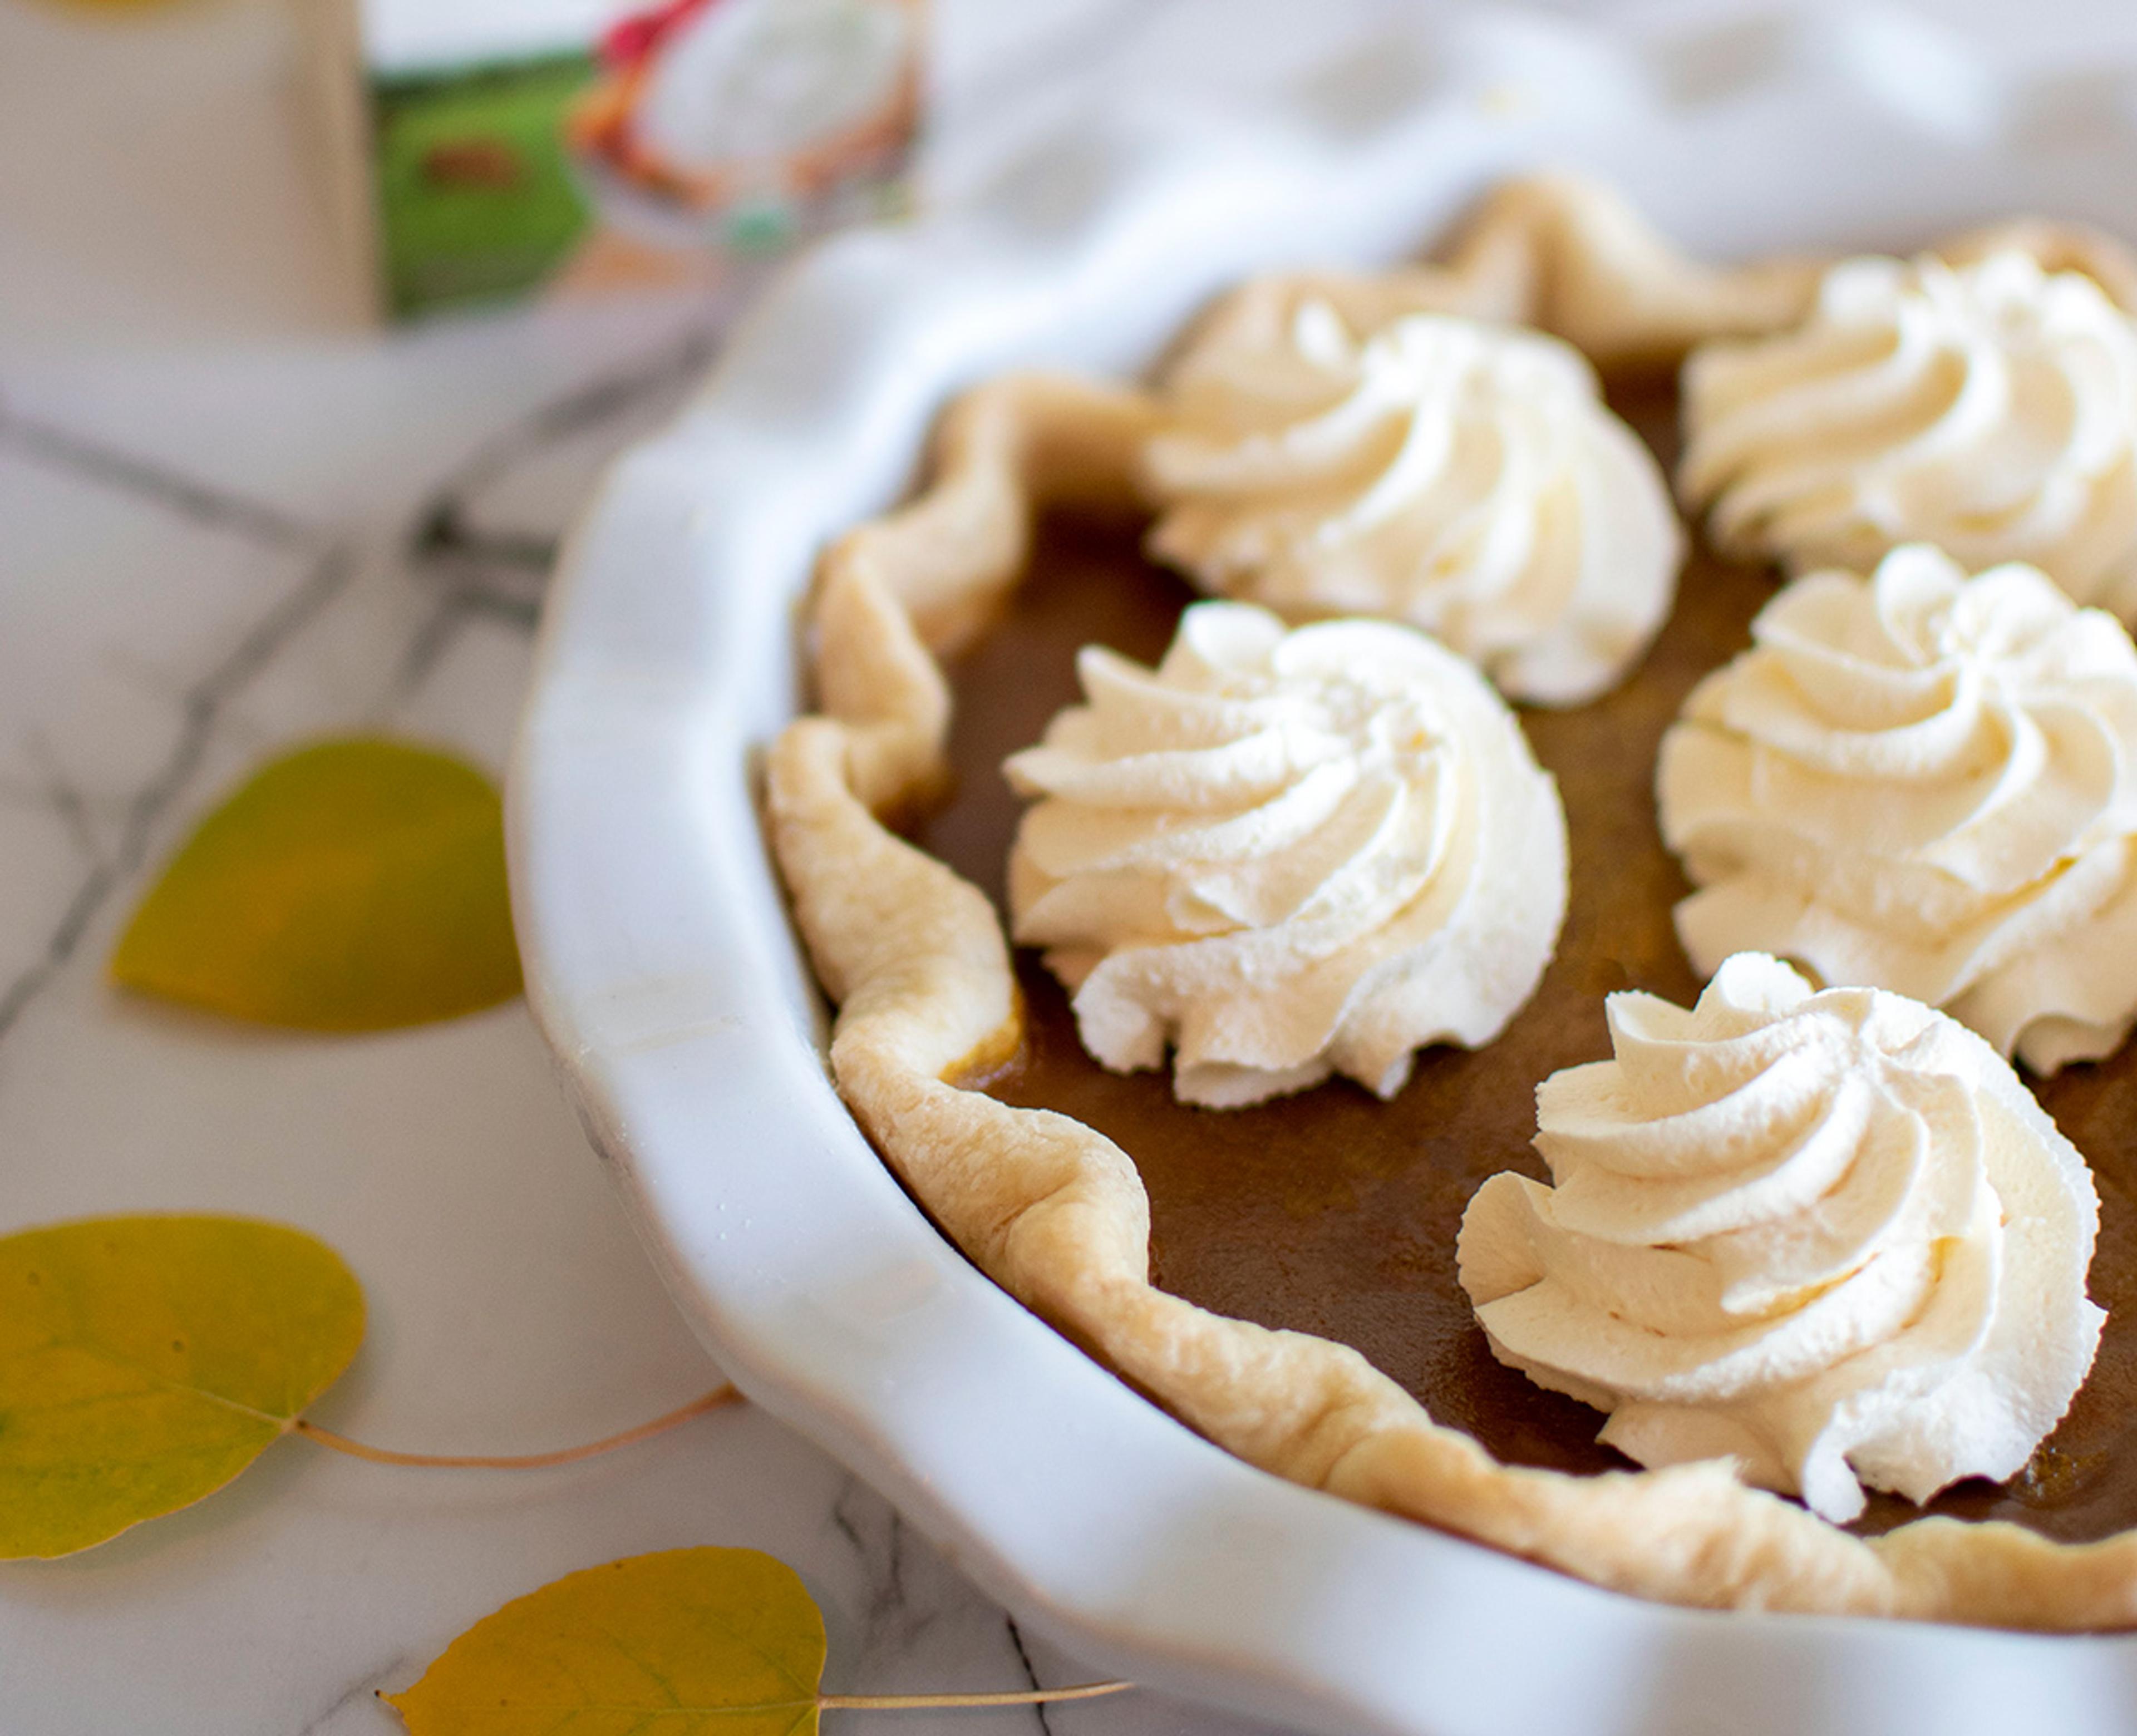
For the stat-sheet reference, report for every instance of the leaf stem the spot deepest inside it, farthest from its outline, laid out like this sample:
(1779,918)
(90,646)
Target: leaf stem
(719,1395)
(918,1702)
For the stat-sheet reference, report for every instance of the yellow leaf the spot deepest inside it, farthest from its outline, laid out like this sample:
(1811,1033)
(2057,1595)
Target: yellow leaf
(351,886)
(144,1362)
(725,1640)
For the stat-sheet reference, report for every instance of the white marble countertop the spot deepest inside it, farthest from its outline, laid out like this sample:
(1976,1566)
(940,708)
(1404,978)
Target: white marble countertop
(226,524)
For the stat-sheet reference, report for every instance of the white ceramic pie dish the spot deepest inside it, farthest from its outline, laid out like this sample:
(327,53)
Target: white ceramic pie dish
(661,966)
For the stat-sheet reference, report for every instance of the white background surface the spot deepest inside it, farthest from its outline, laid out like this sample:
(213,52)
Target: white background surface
(209,489)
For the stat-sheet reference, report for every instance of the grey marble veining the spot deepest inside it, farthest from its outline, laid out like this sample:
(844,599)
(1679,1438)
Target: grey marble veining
(473,547)
(105,828)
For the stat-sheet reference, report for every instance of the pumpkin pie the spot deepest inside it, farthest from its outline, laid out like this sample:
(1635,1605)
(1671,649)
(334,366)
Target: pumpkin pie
(1283,1276)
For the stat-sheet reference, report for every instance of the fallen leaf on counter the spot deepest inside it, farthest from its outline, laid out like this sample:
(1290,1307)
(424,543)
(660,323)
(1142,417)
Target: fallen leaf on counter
(144,1362)
(352,885)
(694,1642)
(709,1638)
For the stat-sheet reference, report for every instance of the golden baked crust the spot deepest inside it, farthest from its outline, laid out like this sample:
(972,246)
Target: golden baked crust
(1566,256)
(917,961)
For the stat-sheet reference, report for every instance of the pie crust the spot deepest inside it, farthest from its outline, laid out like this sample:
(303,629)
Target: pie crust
(915,959)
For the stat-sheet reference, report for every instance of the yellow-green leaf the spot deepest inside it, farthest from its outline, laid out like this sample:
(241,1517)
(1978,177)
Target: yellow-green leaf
(350,886)
(689,1642)
(144,1362)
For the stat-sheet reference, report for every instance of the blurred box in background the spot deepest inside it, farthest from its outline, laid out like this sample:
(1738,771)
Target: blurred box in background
(479,150)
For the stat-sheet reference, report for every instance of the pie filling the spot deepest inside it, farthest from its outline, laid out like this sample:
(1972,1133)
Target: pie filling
(1335,1214)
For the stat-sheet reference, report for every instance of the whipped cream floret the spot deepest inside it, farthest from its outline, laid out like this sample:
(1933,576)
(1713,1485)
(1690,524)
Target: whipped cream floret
(1990,409)
(1829,1235)
(1286,853)
(1464,477)
(1928,783)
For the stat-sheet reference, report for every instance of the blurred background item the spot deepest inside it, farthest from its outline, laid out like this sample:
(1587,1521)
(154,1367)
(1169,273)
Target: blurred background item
(478,150)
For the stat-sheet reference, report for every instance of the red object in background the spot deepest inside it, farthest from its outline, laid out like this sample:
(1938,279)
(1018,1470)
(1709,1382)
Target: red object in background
(630,40)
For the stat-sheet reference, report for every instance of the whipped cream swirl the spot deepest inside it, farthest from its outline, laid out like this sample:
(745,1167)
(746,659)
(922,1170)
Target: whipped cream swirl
(1286,853)
(1928,783)
(1989,409)
(1465,478)
(1829,1235)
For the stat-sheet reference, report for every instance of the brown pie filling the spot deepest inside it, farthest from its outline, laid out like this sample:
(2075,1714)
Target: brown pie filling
(1332,1212)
